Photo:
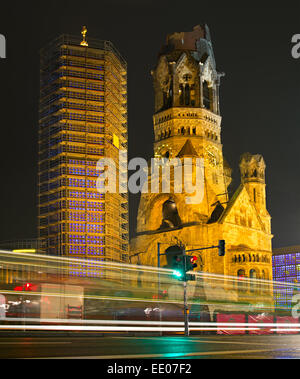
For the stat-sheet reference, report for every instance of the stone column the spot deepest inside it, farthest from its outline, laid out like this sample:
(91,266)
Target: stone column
(200,86)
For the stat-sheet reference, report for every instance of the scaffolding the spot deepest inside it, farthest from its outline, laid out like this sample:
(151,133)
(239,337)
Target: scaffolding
(83,112)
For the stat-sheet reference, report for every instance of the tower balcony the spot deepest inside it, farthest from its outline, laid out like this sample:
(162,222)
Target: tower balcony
(186,113)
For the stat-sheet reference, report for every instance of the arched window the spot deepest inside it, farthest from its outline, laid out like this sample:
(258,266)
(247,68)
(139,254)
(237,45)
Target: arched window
(242,286)
(253,283)
(165,99)
(186,91)
(253,273)
(187,94)
(206,95)
(192,95)
(181,95)
(265,287)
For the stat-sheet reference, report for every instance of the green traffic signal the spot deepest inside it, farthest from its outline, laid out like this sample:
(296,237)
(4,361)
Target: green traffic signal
(181,264)
(178,266)
(178,274)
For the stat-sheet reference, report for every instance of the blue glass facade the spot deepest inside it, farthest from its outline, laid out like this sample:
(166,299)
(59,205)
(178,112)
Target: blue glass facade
(286,270)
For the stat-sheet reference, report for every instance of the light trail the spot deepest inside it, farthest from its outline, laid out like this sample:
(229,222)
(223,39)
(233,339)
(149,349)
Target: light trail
(131,299)
(90,297)
(145,322)
(105,328)
(145,326)
(118,266)
(217,292)
(131,267)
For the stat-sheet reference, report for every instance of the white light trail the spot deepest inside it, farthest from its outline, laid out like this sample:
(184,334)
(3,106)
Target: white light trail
(146,326)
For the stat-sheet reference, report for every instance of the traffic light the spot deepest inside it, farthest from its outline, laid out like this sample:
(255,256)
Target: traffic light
(178,267)
(189,266)
(190,262)
(221,248)
(181,264)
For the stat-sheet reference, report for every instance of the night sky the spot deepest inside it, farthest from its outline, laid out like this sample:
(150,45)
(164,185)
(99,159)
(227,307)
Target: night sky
(259,96)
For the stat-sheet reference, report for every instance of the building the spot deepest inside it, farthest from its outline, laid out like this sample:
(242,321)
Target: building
(187,124)
(82,118)
(286,269)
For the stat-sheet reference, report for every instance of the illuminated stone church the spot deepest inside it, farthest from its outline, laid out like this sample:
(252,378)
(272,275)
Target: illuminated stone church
(187,123)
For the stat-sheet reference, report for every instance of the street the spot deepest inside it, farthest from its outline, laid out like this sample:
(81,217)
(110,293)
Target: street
(154,347)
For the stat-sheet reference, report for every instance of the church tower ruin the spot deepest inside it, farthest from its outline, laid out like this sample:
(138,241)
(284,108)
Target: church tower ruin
(187,124)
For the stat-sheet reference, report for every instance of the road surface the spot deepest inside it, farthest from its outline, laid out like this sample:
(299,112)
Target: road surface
(155,347)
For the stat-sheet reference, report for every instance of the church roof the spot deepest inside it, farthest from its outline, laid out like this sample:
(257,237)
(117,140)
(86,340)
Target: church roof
(216,214)
(231,202)
(187,150)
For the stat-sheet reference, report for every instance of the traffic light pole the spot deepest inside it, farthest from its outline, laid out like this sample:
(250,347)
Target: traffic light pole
(185,306)
(221,247)
(202,248)
(158,286)
(186,315)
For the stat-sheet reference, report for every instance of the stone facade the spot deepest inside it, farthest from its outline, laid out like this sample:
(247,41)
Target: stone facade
(187,123)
